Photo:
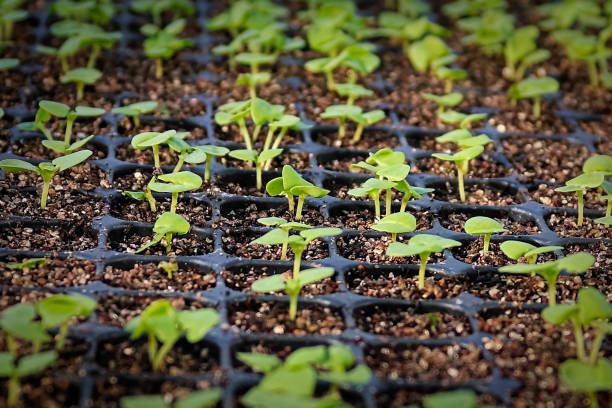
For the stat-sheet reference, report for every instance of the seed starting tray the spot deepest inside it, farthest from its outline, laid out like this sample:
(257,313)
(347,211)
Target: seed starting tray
(223,341)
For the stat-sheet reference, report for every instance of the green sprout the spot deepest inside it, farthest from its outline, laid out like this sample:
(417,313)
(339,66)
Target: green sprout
(8,63)
(397,223)
(451,399)
(293,382)
(258,158)
(518,249)
(447,74)
(65,146)
(341,113)
(444,101)
(422,245)
(46,170)
(352,92)
(153,140)
(484,226)
(489,30)
(283,227)
(58,311)
(25,367)
(156,8)
(19,322)
(535,88)
(164,326)
(575,264)
(282,125)
(168,224)
(30,263)
(425,52)
(99,11)
(521,52)
(205,154)
(579,185)
(588,373)
(463,138)
(593,51)
(10,15)
(175,183)
(607,220)
(372,188)
(81,77)
(198,399)
(366,119)
(464,120)
(254,78)
(162,43)
(292,184)
(134,110)
(169,268)
(462,161)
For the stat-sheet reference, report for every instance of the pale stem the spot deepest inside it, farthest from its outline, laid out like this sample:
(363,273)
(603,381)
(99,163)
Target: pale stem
(159,68)
(341,128)
(151,200)
(537,107)
(461,185)
(593,76)
(448,86)
(393,237)
(578,334)
(388,201)
(291,203)
(152,349)
(422,267)
(596,346)
(207,169)
(13,391)
(136,121)
(258,182)
(300,205)
(159,359)
(93,57)
(80,88)
(404,202)
(293,304)
(297,261)
(580,194)
(168,242)
(331,84)
(376,198)
(487,241)
(174,202)
(180,163)
(45,194)
(358,132)
(68,132)
(61,336)
(609,208)
(156,156)
(245,134)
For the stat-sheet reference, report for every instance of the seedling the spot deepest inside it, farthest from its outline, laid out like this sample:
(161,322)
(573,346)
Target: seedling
(518,249)
(489,30)
(579,185)
(464,139)
(521,52)
(134,110)
(445,101)
(352,92)
(292,184)
(451,399)
(204,154)
(341,113)
(164,326)
(169,268)
(198,399)
(175,183)
(25,367)
(410,192)
(425,52)
(46,170)
(8,63)
(462,161)
(293,382)
(535,88)
(574,264)
(100,12)
(10,15)
(464,120)
(162,43)
(447,74)
(298,243)
(153,140)
(484,226)
(587,378)
(372,188)
(19,322)
(59,311)
(283,227)
(26,264)
(254,78)
(398,223)
(66,146)
(168,224)
(366,119)
(422,245)
(258,158)
(81,77)
(156,8)
(607,220)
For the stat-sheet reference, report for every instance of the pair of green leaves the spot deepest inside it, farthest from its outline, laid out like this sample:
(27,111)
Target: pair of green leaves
(197,399)
(167,225)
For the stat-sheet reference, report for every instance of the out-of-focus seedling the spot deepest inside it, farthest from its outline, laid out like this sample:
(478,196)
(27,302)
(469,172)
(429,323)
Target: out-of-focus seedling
(162,43)
(372,188)
(65,146)
(164,326)
(462,161)
(352,92)
(46,170)
(451,399)
(134,110)
(157,8)
(464,120)
(366,119)
(258,158)
(535,88)
(153,140)
(59,311)
(167,225)
(444,101)
(484,226)
(198,399)
(517,249)
(19,322)
(521,52)
(25,367)
(397,223)
(169,268)
(341,113)
(425,52)
(292,184)
(577,263)
(422,245)
(81,77)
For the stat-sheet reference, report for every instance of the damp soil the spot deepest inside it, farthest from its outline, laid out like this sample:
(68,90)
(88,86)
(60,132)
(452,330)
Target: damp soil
(197,212)
(370,139)
(82,177)
(129,240)
(566,225)
(151,277)
(477,194)
(51,389)
(54,272)
(71,236)
(356,217)
(546,195)
(480,167)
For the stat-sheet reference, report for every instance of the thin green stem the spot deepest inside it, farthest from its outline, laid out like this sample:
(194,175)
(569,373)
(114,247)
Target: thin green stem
(537,107)
(487,242)
(293,304)
(136,121)
(245,134)
(152,348)
(593,75)
(388,201)
(404,202)
(68,131)
(297,263)
(341,128)
(393,237)
(168,242)
(300,205)
(258,176)
(207,169)
(159,68)
(93,57)
(461,185)
(11,344)
(580,194)
(252,90)
(161,355)
(422,267)
(579,337)
(291,203)
(358,132)
(80,90)
(151,200)
(174,202)
(14,389)
(284,250)
(331,83)
(596,346)
(256,132)
(552,293)
(376,198)
(180,163)
(61,336)
(156,156)
(45,194)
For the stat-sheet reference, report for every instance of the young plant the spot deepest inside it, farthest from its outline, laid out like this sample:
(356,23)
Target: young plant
(10,14)
(517,249)
(484,226)
(175,183)
(164,326)
(283,227)
(205,154)
(576,263)
(65,146)
(46,170)
(260,159)
(587,378)
(157,8)
(397,223)
(352,92)
(341,113)
(162,43)
(464,120)
(535,88)
(372,188)
(18,322)
(198,399)
(168,224)
(580,185)
(444,101)
(462,161)
(254,78)
(169,268)
(366,119)
(134,110)
(25,367)
(423,53)
(447,74)
(153,140)
(59,311)
(292,184)
(521,52)
(81,77)
(422,245)
(451,399)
